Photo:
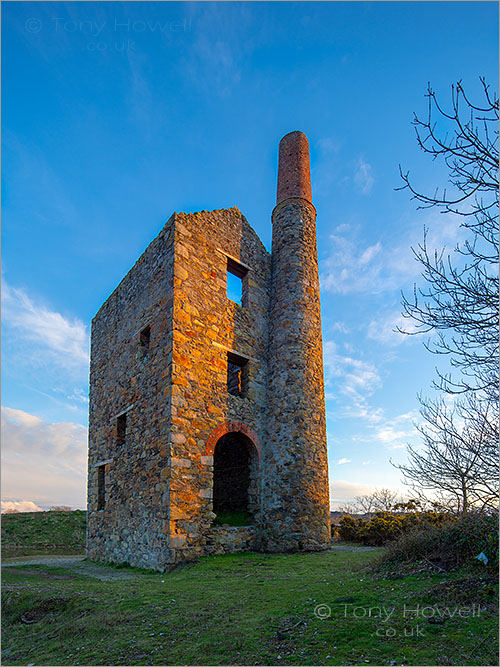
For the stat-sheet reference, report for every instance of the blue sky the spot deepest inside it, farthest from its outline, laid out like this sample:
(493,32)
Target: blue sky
(117,114)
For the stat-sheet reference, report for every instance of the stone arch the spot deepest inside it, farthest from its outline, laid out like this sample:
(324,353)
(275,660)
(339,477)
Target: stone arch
(233,427)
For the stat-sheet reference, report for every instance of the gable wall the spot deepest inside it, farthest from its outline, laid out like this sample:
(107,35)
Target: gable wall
(134,526)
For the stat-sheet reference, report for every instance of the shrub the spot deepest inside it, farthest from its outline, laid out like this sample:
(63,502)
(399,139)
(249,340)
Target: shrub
(384,527)
(448,545)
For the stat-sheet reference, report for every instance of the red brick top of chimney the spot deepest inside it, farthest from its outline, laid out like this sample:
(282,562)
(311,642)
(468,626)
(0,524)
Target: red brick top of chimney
(294,178)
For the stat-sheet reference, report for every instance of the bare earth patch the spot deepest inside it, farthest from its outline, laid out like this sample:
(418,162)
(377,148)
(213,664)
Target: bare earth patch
(77,564)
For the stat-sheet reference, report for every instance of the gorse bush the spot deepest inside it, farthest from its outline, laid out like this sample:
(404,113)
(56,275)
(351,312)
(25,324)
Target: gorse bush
(384,527)
(450,545)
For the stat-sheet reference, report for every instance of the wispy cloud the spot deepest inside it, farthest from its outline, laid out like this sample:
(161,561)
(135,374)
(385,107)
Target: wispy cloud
(64,340)
(384,329)
(30,170)
(42,461)
(342,461)
(355,266)
(396,432)
(340,327)
(363,177)
(215,58)
(354,377)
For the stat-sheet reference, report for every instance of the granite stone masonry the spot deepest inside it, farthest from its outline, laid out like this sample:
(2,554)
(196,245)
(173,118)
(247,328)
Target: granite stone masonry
(201,406)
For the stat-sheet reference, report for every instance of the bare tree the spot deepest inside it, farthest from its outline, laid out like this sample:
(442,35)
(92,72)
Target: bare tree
(364,504)
(460,454)
(459,300)
(381,500)
(384,499)
(348,508)
(459,303)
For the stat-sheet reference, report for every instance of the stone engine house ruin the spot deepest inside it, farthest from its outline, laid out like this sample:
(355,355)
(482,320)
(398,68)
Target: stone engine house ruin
(200,405)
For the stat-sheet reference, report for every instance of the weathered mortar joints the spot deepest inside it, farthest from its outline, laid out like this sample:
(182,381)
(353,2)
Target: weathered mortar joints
(200,405)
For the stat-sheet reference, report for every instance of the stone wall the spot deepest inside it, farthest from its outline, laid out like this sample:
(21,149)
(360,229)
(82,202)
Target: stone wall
(206,325)
(171,382)
(125,376)
(231,540)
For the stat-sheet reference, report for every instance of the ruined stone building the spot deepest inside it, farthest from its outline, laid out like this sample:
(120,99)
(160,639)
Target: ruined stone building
(201,406)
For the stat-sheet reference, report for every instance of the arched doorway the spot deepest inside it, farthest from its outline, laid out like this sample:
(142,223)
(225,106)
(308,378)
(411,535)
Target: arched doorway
(235,476)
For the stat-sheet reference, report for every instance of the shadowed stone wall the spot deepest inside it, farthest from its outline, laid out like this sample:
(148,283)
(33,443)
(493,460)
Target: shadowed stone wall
(127,378)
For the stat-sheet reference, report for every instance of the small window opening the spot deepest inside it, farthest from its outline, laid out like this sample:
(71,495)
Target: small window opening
(145,337)
(236,288)
(121,429)
(101,488)
(237,374)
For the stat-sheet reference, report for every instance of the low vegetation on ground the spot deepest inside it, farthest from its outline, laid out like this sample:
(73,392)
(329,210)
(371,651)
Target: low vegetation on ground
(450,545)
(233,518)
(344,607)
(247,609)
(53,532)
(455,539)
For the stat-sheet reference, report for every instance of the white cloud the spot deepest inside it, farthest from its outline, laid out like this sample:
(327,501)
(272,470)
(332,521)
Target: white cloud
(65,341)
(370,253)
(341,328)
(20,506)
(397,432)
(353,266)
(388,435)
(354,378)
(385,329)
(342,461)
(357,266)
(363,177)
(343,491)
(43,461)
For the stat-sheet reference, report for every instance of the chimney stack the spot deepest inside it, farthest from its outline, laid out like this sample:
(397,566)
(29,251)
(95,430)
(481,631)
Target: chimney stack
(296,513)
(294,179)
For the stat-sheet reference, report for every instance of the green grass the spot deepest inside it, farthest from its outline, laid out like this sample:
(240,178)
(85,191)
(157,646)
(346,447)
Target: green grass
(233,518)
(245,609)
(43,533)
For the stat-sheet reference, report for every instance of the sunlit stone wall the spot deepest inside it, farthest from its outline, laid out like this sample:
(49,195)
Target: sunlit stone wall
(206,326)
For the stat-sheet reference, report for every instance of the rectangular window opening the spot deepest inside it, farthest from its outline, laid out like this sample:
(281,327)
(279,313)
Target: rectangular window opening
(101,488)
(236,283)
(121,429)
(237,375)
(145,337)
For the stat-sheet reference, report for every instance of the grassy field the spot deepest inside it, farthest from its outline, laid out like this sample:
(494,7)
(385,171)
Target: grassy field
(43,533)
(248,609)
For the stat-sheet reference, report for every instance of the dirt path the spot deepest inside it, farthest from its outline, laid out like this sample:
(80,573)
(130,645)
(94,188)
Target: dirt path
(76,564)
(79,565)
(351,547)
